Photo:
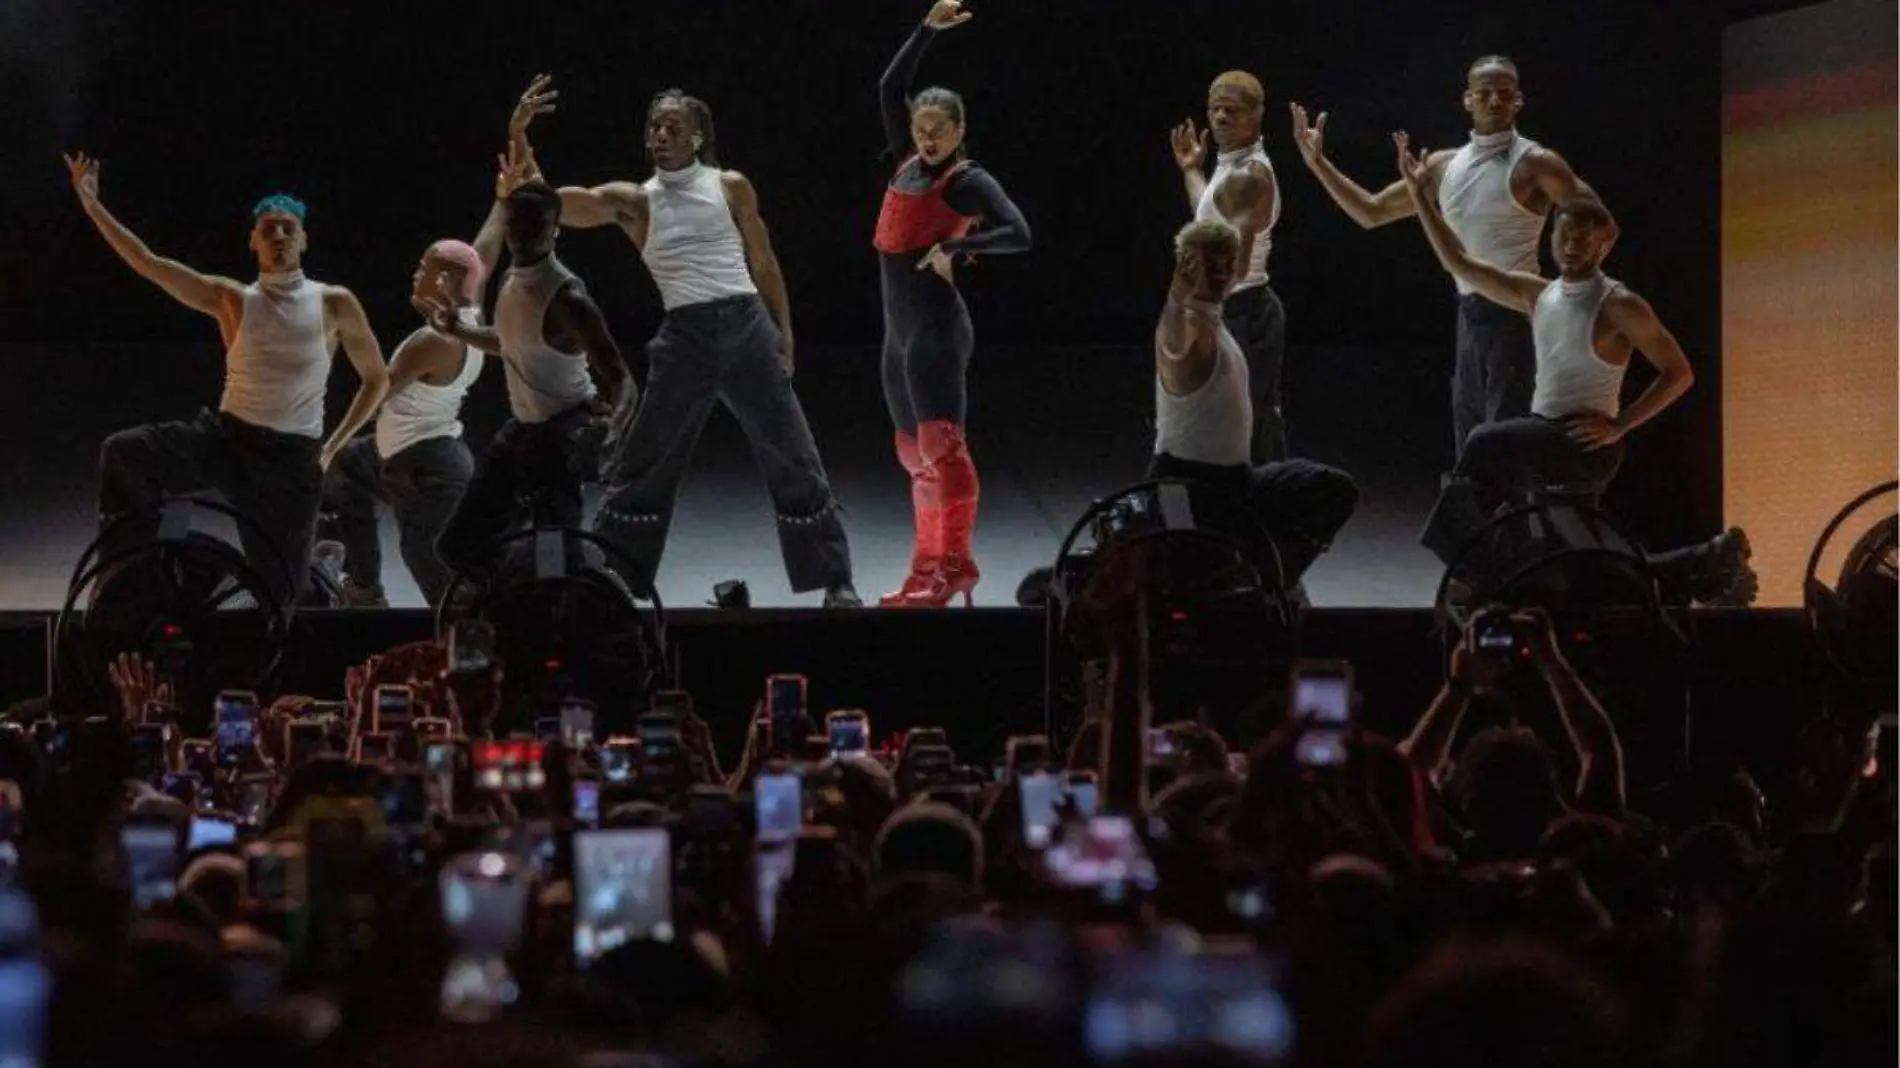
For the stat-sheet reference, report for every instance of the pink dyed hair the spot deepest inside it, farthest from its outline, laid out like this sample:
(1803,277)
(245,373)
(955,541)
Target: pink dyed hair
(463,255)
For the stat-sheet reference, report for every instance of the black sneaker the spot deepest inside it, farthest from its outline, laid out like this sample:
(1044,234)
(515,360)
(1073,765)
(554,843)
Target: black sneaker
(1728,579)
(843,595)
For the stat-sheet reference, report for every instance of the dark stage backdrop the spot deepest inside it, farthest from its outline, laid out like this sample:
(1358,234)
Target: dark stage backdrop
(386,118)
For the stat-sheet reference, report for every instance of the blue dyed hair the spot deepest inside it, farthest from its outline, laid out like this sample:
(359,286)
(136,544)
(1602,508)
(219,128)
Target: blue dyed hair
(279,204)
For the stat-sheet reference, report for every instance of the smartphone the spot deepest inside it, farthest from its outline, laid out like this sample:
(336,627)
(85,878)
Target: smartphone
(1499,636)
(1104,854)
(484,901)
(1025,751)
(304,739)
(211,830)
(427,727)
(152,858)
(1153,1004)
(438,776)
(623,889)
(920,737)
(785,700)
(1321,693)
(848,731)
(779,803)
(1038,793)
(471,646)
(587,802)
(547,729)
(146,746)
(158,712)
(577,724)
(619,758)
(253,798)
(1161,744)
(677,700)
(267,871)
(26,995)
(375,747)
(929,765)
(659,734)
(1083,793)
(198,756)
(235,726)
(394,708)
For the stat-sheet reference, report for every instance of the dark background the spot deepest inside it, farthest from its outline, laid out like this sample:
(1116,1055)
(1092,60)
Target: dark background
(386,119)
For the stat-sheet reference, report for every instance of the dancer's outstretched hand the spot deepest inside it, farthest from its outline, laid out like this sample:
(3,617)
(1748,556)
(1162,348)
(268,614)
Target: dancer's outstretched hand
(518,165)
(1190,146)
(947,14)
(537,99)
(85,175)
(437,312)
(1310,137)
(1411,165)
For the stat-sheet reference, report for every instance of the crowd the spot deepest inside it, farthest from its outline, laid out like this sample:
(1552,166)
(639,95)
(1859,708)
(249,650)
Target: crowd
(419,873)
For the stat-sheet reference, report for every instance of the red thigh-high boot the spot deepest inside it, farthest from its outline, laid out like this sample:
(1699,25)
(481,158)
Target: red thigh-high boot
(946,452)
(926,515)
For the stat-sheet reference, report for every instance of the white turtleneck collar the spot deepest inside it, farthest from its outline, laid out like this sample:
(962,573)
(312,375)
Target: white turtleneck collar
(283,280)
(680,177)
(1236,155)
(1493,140)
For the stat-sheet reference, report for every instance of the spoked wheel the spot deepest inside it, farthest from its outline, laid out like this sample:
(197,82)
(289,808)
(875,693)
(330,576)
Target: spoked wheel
(173,585)
(567,619)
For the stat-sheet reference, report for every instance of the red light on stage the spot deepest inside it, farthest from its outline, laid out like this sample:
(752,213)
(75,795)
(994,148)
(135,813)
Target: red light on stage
(1179,615)
(171,630)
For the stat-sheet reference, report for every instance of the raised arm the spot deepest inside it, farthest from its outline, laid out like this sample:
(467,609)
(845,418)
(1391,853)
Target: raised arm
(1189,144)
(582,207)
(1369,210)
(1429,746)
(1002,229)
(1600,781)
(220,298)
(1511,289)
(893,88)
(359,344)
(743,201)
(573,313)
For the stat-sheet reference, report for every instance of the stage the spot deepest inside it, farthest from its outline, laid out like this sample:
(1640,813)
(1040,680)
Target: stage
(1051,430)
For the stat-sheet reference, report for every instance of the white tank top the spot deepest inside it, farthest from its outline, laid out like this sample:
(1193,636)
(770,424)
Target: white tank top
(693,249)
(274,376)
(1571,377)
(422,411)
(1475,195)
(543,381)
(1227,164)
(1213,424)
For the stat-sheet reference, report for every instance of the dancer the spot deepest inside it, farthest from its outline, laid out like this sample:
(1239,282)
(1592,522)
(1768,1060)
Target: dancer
(1245,193)
(1495,193)
(939,208)
(1586,326)
(1204,413)
(549,335)
(264,450)
(416,461)
(727,338)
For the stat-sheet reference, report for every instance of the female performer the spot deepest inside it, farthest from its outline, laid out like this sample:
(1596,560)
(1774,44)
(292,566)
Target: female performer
(938,208)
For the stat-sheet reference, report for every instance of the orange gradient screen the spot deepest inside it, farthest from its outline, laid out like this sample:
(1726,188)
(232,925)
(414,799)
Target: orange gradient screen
(1809,343)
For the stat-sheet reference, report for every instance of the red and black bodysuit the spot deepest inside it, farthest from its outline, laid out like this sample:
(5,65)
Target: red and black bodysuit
(927,334)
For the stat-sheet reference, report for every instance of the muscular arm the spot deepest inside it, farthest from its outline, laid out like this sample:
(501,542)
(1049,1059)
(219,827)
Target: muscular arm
(1632,316)
(1003,228)
(1511,289)
(220,298)
(1248,200)
(1600,783)
(1185,337)
(613,204)
(1556,182)
(892,102)
(1428,747)
(574,314)
(489,240)
(743,200)
(359,344)
(1372,210)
